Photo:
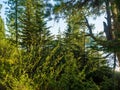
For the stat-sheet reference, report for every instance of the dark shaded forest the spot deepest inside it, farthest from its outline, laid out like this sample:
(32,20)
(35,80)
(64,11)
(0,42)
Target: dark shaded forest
(32,58)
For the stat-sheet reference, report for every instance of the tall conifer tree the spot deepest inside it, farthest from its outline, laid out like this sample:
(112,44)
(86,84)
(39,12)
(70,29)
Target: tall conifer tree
(33,25)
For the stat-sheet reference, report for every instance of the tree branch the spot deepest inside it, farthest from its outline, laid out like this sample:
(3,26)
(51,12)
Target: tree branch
(90,29)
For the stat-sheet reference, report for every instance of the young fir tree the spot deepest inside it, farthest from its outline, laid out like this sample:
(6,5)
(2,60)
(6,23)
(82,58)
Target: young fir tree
(35,36)
(34,28)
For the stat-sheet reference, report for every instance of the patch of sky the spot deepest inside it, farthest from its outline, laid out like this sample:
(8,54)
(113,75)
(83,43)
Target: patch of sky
(2,11)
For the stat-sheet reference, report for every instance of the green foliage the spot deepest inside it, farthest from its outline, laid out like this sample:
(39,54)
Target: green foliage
(107,84)
(2,30)
(11,78)
(42,62)
(33,26)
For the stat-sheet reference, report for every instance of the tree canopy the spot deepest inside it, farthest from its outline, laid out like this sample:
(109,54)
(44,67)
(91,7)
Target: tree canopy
(31,58)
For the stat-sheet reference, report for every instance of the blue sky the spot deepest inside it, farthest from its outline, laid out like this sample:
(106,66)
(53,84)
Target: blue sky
(61,25)
(2,11)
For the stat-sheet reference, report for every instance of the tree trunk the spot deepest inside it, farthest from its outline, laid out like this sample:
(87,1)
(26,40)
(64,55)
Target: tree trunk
(112,27)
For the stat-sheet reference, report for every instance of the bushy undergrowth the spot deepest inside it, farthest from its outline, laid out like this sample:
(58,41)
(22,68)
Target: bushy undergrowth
(56,71)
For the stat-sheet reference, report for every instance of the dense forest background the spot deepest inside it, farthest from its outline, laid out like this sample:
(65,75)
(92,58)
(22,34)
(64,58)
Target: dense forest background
(31,58)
